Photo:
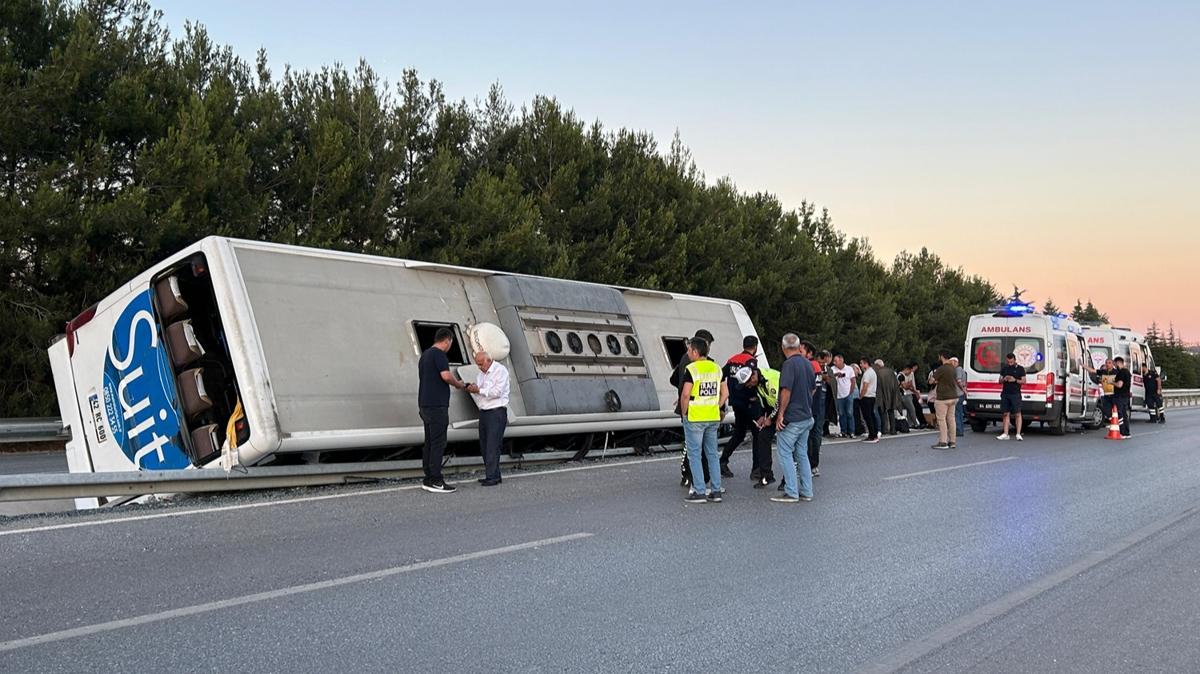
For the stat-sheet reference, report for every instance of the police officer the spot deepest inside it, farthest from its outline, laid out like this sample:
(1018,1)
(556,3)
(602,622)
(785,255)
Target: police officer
(701,403)
(739,400)
(764,384)
(685,479)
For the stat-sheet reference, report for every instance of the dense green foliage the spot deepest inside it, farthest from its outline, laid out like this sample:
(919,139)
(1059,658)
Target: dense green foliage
(120,145)
(1180,365)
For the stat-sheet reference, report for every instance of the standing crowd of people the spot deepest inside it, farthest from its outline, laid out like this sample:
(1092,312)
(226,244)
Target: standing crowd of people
(813,395)
(796,406)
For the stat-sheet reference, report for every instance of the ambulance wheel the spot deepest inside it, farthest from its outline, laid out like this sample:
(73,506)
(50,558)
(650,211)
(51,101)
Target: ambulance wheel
(1059,426)
(1097,419)
(978,425)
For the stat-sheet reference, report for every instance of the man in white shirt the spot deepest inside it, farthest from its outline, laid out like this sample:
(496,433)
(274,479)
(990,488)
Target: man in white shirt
(866,394)
(490,392)
(843,373)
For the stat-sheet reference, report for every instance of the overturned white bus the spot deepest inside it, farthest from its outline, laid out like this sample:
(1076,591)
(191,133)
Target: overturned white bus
(253,353)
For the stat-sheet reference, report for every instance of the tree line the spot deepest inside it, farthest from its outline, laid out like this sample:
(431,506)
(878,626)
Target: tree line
(120,144)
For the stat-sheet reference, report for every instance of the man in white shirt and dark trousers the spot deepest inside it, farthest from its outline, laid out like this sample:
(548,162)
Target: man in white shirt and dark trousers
(490,391)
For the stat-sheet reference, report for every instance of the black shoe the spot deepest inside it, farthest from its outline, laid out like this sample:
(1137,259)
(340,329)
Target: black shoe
(940,445)
(725,472)
(438,487)
(694,497)
(804,498)
(490,483)
(780,486)
(714,497)
(760,483)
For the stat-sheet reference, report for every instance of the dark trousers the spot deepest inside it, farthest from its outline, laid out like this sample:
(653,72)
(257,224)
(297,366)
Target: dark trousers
(868,412)
(1122,405)
(436,420)
(830,412)
(888,417)
(859,424)
(491,436)
(762,454)
(742,424)
(815,437)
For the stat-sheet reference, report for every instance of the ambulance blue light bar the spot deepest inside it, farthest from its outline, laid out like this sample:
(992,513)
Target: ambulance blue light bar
(1011,309)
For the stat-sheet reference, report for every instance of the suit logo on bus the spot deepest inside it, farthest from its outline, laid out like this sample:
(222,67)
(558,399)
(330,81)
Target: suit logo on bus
(139,391)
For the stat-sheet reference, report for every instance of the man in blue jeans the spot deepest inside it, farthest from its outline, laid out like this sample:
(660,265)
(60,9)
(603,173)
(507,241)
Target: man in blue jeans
(797,382)
(701,404)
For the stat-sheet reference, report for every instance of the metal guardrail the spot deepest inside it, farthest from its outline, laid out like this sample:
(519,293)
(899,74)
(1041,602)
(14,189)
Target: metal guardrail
(45,429)
(133,484)
(49,429)
(1181,397)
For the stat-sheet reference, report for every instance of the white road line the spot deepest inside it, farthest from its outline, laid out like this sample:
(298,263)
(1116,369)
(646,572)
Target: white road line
(942,470)
(196,609)
(943,636)
(304,499)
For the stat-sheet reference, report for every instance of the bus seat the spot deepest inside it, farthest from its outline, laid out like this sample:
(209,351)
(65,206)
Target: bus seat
(182,343)
(192,391)
(170,300)
(205,445)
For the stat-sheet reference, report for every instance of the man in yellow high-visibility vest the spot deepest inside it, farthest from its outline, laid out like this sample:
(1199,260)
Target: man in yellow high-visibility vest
(702,401)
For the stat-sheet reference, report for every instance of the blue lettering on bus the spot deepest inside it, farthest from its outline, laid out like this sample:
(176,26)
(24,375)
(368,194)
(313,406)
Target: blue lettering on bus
(139,391)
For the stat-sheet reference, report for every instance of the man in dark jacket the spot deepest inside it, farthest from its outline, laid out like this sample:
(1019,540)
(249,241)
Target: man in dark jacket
(739,400)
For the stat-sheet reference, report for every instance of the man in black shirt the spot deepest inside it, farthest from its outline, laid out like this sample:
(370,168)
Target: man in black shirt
(1153,394)
(1011,378)
(433,400)
(1120,397)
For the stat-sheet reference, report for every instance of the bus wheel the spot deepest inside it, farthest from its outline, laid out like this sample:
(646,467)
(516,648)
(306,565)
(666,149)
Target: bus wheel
(978,425)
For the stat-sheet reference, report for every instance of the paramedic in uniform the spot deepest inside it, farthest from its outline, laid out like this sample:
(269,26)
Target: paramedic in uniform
(490,392)
(433,400)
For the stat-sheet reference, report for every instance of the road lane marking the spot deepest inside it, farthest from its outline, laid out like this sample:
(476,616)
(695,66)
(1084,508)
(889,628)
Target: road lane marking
(944,635)
(942,470)
(197,609)
(307,499)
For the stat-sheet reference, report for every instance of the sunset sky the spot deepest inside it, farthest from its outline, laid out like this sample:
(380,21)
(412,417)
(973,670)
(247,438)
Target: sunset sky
(1051,145)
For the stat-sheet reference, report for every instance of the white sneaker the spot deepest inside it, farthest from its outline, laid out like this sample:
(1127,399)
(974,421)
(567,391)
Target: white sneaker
(1019,437)
(1004,436)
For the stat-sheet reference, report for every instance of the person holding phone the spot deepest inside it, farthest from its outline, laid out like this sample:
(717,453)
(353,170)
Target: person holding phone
(1012,376)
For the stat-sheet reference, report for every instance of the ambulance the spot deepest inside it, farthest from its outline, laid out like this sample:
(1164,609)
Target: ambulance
(1058,388)
(1106,341)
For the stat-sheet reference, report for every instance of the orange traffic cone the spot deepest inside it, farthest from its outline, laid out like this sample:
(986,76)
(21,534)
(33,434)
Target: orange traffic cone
(1114,427)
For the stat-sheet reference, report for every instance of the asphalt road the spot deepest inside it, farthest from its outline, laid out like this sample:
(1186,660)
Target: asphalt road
(1071,554)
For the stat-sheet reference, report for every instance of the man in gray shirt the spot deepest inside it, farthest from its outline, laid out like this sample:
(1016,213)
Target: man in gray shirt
(797,382)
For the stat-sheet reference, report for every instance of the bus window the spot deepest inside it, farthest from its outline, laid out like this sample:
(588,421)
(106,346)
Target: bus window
(676,348)
(425,332)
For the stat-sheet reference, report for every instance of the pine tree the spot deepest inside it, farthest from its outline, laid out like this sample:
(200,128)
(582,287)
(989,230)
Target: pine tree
(1050,308)
(1152,335)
